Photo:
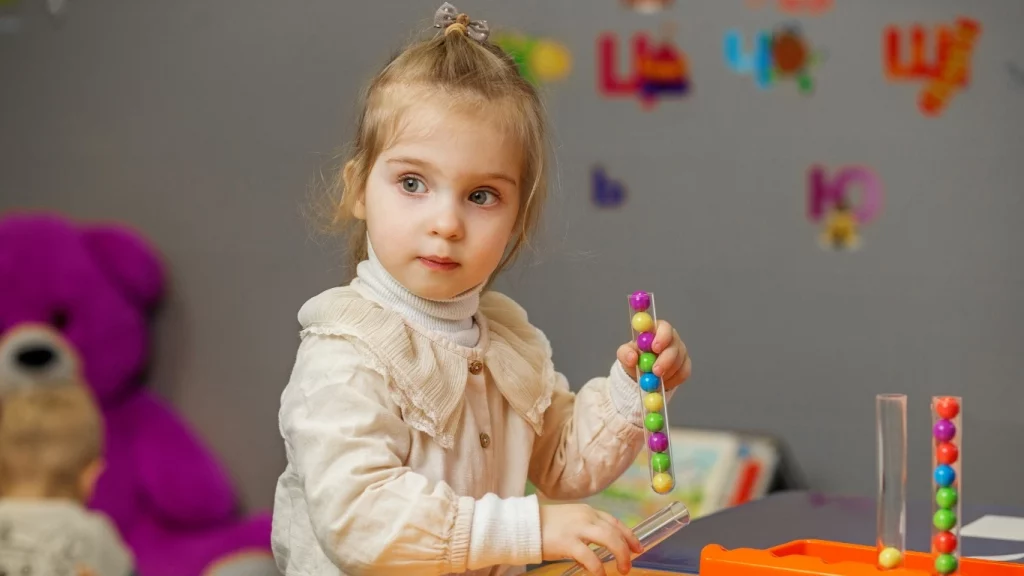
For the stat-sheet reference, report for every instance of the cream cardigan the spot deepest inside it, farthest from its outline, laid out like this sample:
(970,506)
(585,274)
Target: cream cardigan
(409,454)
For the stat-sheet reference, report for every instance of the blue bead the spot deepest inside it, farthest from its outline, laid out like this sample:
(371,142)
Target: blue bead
(944,475)
(649,382)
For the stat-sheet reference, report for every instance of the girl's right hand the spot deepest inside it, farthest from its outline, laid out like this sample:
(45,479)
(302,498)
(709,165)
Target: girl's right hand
(567,530)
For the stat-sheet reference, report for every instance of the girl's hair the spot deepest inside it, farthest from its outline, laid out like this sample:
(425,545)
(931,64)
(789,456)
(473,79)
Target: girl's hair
(469,75)
(48,437)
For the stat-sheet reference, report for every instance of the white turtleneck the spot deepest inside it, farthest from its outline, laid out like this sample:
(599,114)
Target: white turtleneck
(452,317)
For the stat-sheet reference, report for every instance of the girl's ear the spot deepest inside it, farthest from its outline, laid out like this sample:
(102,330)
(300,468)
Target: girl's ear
(359,207)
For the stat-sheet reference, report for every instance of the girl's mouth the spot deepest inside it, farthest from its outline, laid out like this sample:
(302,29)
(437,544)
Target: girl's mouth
(436,263)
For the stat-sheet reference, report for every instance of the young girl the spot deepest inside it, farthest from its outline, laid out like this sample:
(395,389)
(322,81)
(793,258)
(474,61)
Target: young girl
(420,402)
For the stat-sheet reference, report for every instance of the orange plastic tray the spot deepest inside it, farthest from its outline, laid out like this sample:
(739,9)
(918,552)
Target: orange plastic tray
(824,558)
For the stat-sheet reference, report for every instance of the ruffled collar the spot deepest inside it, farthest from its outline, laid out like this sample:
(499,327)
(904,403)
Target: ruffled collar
(426,372)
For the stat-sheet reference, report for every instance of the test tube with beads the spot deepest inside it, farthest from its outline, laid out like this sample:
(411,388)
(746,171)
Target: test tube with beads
(891,422)
(644,320)
(947,484)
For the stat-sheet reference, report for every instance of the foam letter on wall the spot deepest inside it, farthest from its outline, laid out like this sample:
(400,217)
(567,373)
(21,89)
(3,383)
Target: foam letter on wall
(605,192)
(757,63)
(823,194)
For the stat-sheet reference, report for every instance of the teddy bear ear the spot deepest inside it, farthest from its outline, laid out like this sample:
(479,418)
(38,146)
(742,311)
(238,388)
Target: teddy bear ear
(129,261)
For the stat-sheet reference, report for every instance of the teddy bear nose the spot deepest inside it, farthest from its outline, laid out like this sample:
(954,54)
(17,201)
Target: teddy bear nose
(35,357)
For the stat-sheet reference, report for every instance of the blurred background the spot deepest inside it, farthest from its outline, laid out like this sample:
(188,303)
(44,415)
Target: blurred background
(686,165)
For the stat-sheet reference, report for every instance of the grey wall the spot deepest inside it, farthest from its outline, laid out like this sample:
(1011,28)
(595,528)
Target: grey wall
(203,123)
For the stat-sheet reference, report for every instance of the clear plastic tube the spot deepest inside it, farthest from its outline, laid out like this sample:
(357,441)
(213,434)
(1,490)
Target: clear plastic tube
(657,435)
(650,532)
(891,421)
(947,483)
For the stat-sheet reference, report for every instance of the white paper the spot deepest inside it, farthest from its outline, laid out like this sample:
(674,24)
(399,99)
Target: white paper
(996,528)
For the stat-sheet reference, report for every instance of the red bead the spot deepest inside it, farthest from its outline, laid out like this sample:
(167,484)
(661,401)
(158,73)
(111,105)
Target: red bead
(944,542)
(947,408)
(946,453)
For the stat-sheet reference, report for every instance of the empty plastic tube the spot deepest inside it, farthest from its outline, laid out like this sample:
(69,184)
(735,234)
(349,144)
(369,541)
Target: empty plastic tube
(650,532)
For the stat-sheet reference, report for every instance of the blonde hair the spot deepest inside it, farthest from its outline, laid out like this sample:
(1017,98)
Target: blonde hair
(48,437)
(469,74)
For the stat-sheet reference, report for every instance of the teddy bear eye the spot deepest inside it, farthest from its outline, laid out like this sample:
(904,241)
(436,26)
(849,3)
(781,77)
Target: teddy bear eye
(59,319)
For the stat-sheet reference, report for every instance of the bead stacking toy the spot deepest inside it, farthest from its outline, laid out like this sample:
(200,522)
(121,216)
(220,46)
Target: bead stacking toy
(644,322)
(946,483)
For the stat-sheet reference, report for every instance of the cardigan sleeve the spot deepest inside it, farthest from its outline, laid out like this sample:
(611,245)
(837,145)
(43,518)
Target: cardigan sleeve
(589,439)
(370,513)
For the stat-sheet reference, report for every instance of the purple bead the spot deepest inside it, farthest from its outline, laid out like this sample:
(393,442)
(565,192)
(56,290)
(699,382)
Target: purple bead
(944,431)
(640,300)
(658,442)
(644,341)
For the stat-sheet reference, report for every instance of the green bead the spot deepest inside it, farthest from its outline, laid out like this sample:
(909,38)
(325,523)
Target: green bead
(654,421)
(945,564)
(647,361)
(659,461)
(946,497)
(944,519)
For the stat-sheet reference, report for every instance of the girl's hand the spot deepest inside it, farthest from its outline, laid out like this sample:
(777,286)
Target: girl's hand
(567,530)
(673,364)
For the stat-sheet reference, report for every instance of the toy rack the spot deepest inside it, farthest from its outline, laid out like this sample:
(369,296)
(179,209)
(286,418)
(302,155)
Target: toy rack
(825,558)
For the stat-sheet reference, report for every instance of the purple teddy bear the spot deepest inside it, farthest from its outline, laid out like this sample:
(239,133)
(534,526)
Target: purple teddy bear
(170,498)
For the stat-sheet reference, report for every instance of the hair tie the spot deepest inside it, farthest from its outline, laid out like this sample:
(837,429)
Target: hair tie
(449,18)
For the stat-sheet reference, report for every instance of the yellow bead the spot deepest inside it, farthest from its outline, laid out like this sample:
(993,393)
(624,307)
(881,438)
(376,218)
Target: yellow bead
(642,322)
(654,402)
(662,483)
(889,558)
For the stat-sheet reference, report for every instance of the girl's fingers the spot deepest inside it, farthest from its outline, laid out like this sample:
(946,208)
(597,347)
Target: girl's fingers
(627,533)
(662,337)
(628,355)
(667,364)
(605,534)
(586,557)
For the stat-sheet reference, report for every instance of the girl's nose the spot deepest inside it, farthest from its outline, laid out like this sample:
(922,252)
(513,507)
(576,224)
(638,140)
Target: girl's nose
(447,222)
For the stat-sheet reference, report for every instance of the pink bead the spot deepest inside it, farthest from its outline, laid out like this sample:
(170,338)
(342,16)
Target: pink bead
(658,442)
(640,300)
(644,341)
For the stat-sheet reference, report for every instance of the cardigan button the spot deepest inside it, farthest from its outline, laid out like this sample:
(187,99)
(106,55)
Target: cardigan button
(485,440)
(476,367)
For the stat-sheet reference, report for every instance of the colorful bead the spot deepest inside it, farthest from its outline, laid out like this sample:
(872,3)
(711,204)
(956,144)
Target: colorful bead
(945,497)
(658,442)
(654,422)
(662,483)
(947,408)
(642,322)
(640,300)
(653,402)
(660,462)
(944,475)
(944,542)
(946,453)
(945,564)
(649,382)
(644,340)
(944,430)
(647,361)
(889,558)
(944,519)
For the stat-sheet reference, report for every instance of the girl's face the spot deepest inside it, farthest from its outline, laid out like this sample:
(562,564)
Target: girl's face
(440,204)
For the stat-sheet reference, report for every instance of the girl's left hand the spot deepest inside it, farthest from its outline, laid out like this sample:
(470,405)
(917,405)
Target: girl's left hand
(673,364)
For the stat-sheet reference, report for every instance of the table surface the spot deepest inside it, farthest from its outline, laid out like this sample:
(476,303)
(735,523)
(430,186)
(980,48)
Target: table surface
(799,515)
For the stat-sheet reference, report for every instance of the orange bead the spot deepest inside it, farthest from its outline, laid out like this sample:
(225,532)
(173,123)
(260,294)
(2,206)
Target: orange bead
(944,542)
(946,453)
(947,408)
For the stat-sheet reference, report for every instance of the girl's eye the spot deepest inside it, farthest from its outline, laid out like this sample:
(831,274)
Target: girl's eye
(483,197)
(412,185)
